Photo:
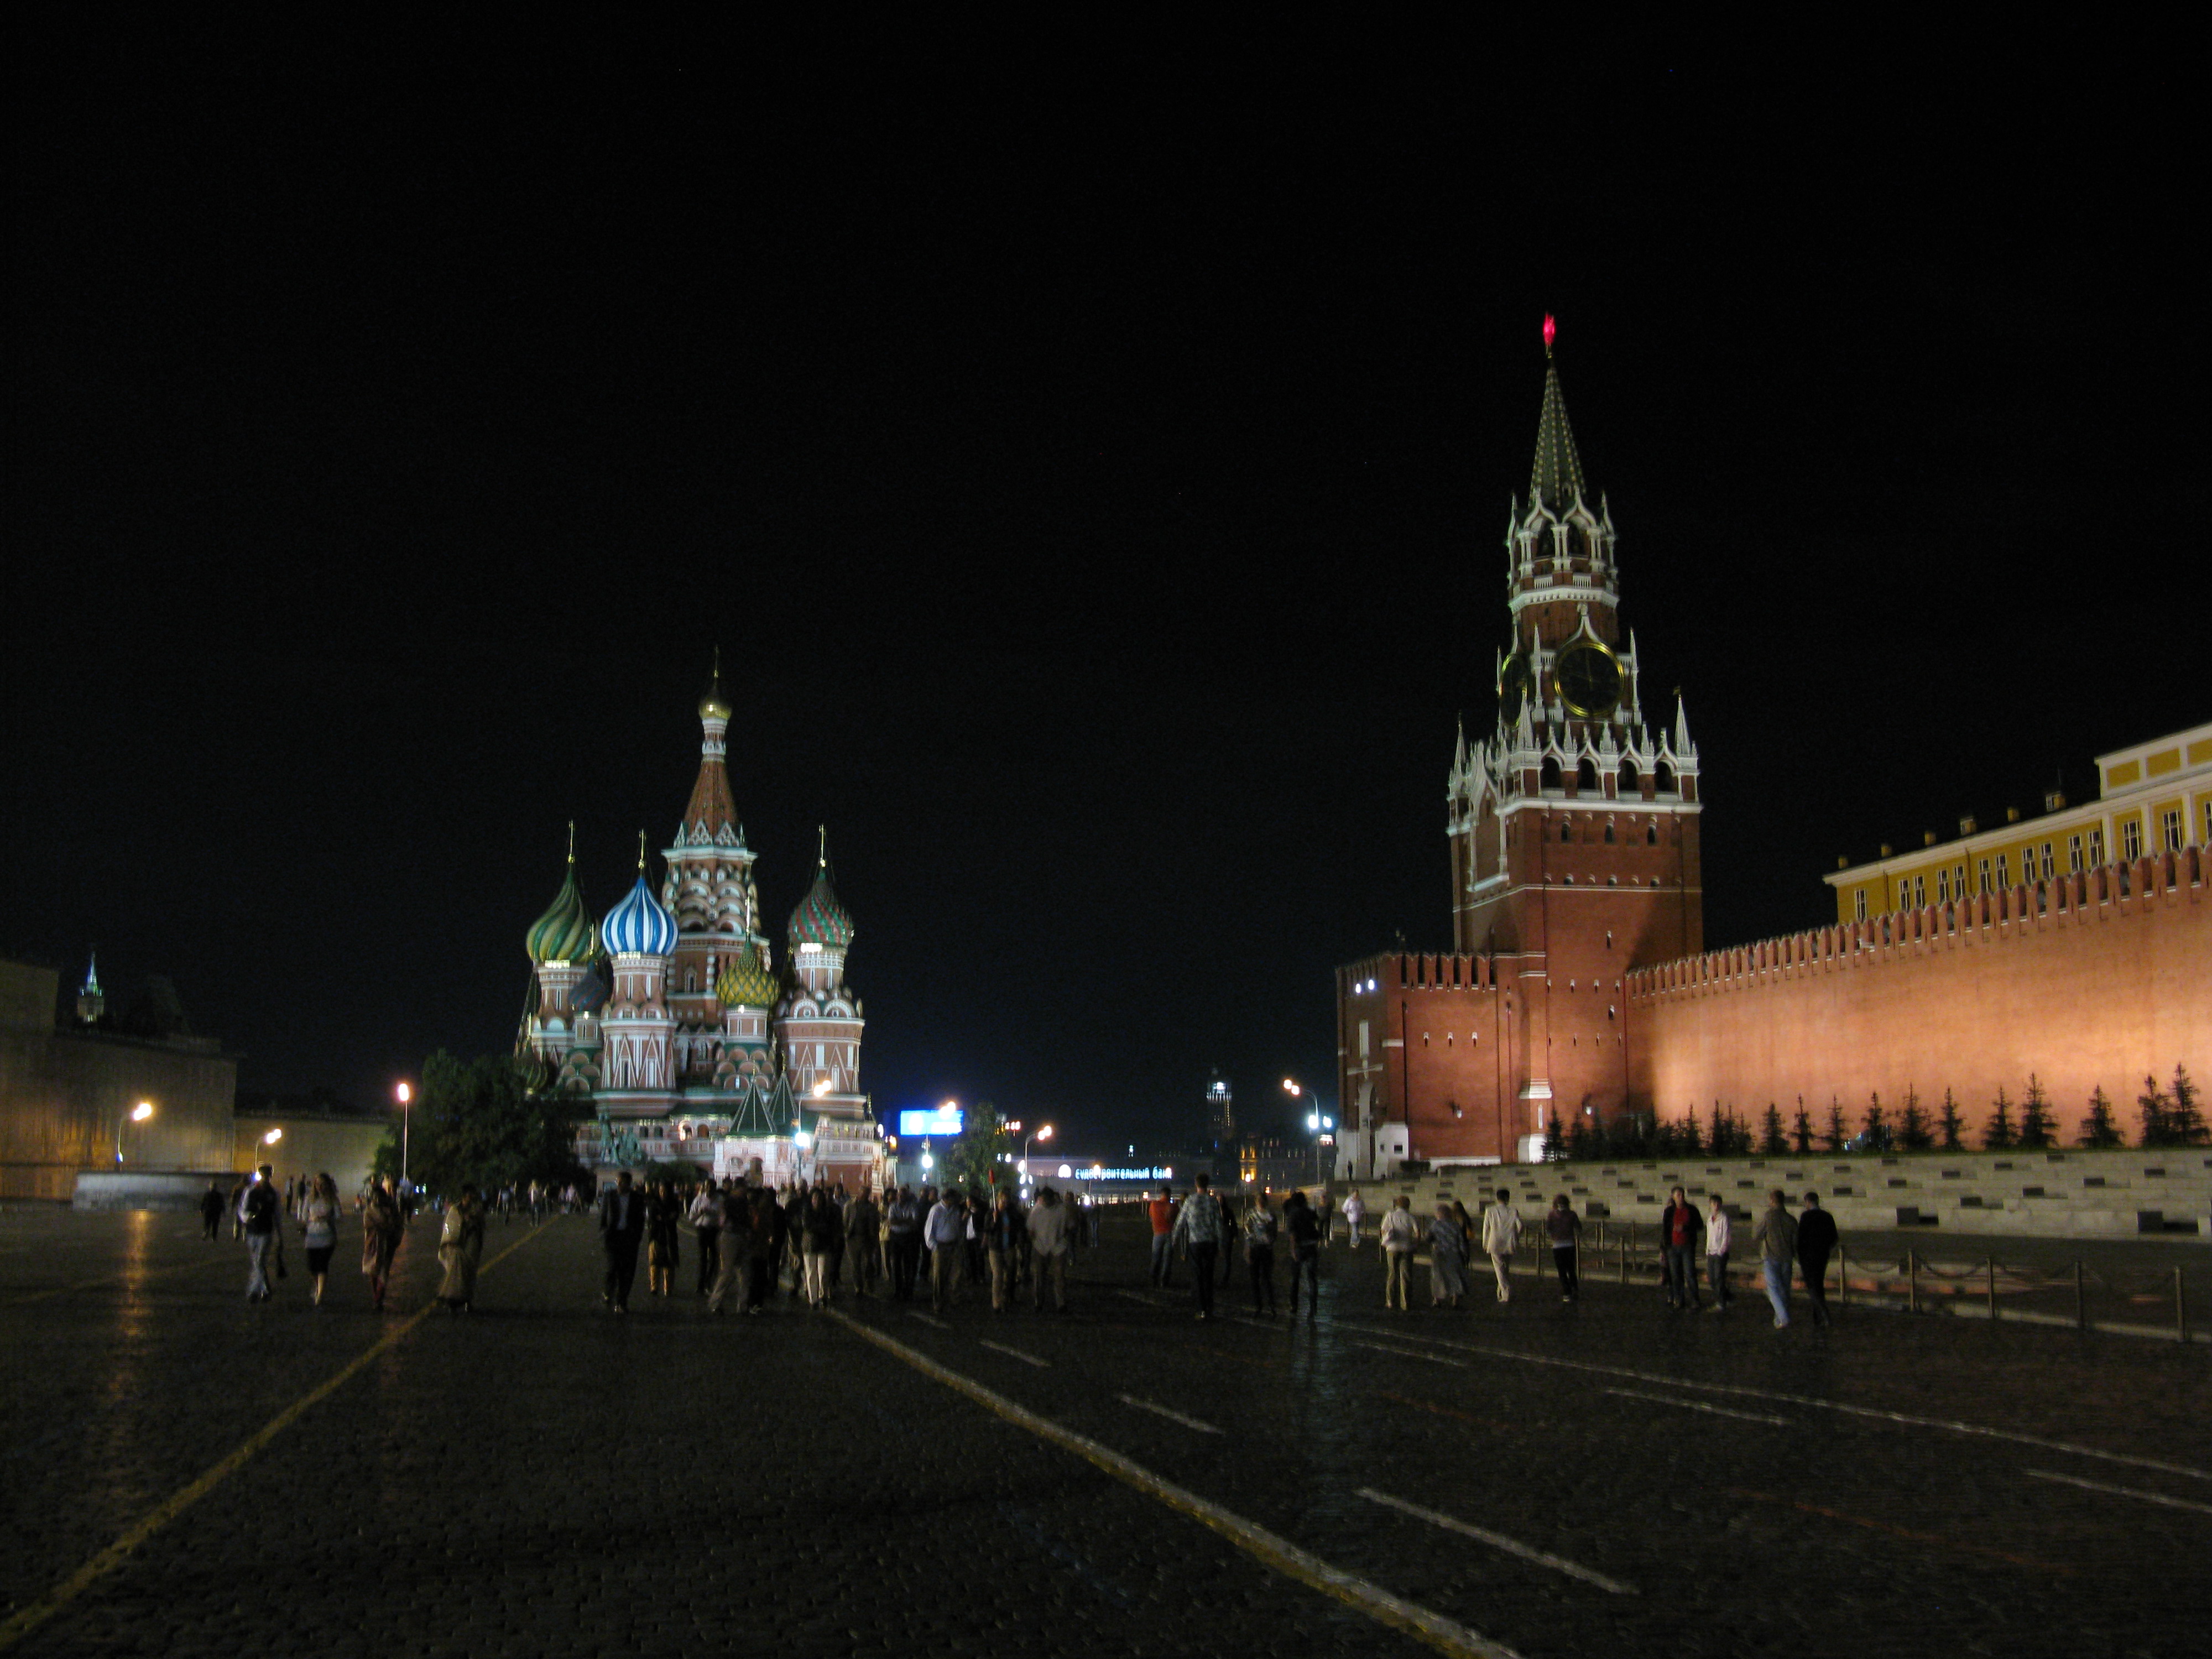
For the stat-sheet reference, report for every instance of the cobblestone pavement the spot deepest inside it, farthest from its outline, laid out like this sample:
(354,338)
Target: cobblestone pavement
(538,1476)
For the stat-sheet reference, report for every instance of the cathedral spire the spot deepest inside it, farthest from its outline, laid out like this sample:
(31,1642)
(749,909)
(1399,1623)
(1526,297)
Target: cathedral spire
(711,817)
(1558,477)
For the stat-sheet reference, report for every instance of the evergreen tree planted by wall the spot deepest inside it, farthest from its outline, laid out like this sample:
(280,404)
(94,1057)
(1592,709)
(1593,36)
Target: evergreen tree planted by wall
(1837,1132)
(1998,1134)
(1772,1141)
(1801,1130)
(1582,1140)
(1913,1132)
(2034,1117)
(2099,1129)
(1876,1126)
(1555,1144)
(2187,1123)
(1950,1127)
(2155,1110)
(1687,1140)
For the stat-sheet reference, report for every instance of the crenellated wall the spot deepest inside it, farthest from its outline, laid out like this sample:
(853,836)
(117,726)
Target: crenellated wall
(2092,979)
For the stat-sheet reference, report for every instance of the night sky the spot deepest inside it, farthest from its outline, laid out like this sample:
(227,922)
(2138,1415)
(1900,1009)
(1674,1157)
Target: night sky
(1095,489)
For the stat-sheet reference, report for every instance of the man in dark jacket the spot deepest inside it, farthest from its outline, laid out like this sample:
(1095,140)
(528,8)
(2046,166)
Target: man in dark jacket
(261,1213)
(622,1226)
(902,1225)
(1682,1236)
(211,1210)
(863,1239)
(1816,1243)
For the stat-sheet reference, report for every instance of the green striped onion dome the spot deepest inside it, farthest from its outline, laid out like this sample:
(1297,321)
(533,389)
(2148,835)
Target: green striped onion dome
(819,918)
(566,932)
(743,983)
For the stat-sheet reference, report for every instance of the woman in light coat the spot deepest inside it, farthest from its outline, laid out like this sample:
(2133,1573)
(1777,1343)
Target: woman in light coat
(1399,1233)
(460,1247)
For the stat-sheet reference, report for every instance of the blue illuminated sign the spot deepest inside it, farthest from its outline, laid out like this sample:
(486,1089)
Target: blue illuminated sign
(938,1121)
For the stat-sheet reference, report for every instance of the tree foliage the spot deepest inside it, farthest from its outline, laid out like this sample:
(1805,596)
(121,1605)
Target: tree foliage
(478,1121)
(1998,1134)
(977,1160)
(2098,1129)
(1912,1132)
(2154,1108)
(1951,1128)
(2034,1117)
(1772,1141)
(1836,1133)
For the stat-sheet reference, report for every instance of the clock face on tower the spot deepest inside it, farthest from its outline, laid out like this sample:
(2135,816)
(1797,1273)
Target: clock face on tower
(1513,687)
(1589,678)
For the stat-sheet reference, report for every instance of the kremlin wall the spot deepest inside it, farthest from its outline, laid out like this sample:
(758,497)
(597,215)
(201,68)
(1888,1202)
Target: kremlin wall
(1579,985)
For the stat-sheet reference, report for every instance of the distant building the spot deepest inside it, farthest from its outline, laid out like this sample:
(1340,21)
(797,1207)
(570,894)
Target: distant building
(1275,1165)
(1220,1115)
(67,1093)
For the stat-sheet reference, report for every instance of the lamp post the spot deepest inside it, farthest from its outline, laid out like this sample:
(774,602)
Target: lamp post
(1044,1134)
(137,1113)
(406,1093)
(1317,1124)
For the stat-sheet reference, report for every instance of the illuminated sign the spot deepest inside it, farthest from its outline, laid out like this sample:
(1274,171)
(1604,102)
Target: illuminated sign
(1109,1172)
(938,1121)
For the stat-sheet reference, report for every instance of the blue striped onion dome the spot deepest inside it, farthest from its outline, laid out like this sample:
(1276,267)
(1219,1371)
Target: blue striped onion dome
(819,918)
(638,926)
(564,933)
(743,983)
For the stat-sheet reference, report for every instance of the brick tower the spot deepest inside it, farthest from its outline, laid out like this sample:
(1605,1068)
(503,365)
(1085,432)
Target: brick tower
(1573,825)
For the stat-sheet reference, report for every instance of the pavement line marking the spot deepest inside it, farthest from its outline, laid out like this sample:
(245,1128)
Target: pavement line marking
(1270,1550)
(1172,1416)
(2123,1491)
(1138,1296)
(1874,1412)
(1413,1353)
(1446,1411)
(124,1280)
(1498,1540)
(1932,1539)
(1700,1406)
(928,1319)
(28,1619)
(1026,1358)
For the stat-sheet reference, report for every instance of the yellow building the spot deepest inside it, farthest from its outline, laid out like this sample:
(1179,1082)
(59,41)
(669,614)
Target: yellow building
(2155,796)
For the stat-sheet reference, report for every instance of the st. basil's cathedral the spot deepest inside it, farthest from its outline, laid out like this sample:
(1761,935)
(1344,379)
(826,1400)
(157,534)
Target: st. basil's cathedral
(671,1020)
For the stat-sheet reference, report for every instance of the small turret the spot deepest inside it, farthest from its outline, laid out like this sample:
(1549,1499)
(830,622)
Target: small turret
(91,1000)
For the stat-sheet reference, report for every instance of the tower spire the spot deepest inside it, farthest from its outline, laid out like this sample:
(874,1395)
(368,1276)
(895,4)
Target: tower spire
(1557,479)
(640,851)
(711,817)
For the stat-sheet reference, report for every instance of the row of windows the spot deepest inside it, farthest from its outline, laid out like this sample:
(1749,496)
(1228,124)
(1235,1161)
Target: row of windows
(1650,833)
(1994,873)
(1552,777)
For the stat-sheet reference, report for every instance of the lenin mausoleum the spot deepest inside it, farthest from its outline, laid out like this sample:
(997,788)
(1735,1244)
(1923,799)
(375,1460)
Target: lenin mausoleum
(2076,946)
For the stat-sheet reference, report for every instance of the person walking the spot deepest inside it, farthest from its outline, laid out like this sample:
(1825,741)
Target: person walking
(707,1222)
(1501,1236)
(1447,1259)
(735,1239)
(944,1232)
(1003,1235)
(1777,1238)
(1398,1235)
(380,1231)
(1260,1251)
(1680,1233)
(766,1222)
(1047,1230)
(261,1216)
(863,1232)
(1565,1228)
(820,1232)
(321,1231)
(1161,1211)
(1355,1212)
(211,1209)
(1816,1243)
(1200,1228)
(1305,1227)
(664,1216)
(1717,1239)
(902,1228)
(236,1204)
(621,1228)
(460,1247)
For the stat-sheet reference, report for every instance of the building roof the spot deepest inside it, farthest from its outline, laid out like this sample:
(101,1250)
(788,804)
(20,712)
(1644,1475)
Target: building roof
(564,933)
(1557,479)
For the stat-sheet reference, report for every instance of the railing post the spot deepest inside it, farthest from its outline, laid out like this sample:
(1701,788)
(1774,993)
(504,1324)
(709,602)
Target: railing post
(2080,1306)
(1991,1263)
(2180,1310)
(1912,1281)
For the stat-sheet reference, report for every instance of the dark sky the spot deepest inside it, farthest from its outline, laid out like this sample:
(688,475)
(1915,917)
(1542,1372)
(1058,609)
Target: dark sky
(1096,480)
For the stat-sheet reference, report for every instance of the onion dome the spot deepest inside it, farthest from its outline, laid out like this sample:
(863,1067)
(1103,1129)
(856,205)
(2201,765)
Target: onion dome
(819,918)
(744,983)
(713,706)
(641,925)
(564,933)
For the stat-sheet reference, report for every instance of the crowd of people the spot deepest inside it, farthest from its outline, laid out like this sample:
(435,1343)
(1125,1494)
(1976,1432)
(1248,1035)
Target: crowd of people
(755,1242)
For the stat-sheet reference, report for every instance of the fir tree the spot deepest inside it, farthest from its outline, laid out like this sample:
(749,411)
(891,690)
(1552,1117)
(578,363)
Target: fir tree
(1877,1127)
(1997,1135)
(2187,1123)
(2098,1129)
(1912,1125)
(2034,1117)
(1555,1147)
(1582,1140)
(1771,1139)
(2157,1114)
(1837,1132)
(1717,1142)
(1801,1130)
(1951,1127)
(1687,1140)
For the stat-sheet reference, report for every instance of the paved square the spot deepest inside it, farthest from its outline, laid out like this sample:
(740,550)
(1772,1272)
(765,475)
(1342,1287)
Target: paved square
(538,1476)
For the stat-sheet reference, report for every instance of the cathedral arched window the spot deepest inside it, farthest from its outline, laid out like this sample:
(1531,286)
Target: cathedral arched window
(1586,776)
(1628,777)
(1663,778)
(1549,777)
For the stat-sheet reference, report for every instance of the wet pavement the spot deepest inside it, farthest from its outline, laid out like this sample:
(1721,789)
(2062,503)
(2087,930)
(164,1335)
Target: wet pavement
(538,1476)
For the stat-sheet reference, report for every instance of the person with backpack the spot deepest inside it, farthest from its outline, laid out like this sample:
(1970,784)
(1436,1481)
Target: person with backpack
(261,1217)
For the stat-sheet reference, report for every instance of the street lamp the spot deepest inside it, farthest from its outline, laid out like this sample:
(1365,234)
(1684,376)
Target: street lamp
(406,1093)
(1044,1134)
(272,1137)
(137,1113)
(1317,1124)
